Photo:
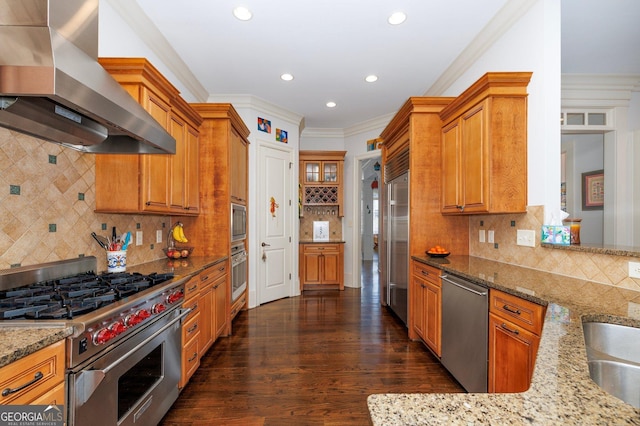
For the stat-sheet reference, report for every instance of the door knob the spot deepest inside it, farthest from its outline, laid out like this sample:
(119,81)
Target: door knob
(266,245)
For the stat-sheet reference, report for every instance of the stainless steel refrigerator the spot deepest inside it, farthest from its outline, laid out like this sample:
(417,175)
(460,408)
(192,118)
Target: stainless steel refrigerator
(396,237)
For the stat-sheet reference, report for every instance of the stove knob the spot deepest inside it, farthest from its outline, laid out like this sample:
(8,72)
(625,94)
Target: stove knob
(118,328)
(175,297)
(102,336)
(132,320)
(143,314)
(158,308)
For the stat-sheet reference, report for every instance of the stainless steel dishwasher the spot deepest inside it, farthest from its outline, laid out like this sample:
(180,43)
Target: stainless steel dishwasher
(465,329)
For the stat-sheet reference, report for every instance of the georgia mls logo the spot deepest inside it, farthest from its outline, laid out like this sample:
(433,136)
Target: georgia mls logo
(31,415)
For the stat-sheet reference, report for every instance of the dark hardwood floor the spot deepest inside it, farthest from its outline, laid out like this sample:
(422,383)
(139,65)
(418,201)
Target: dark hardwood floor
(309,360)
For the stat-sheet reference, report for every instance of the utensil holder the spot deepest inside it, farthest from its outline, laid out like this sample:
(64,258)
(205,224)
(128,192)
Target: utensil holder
(117,261)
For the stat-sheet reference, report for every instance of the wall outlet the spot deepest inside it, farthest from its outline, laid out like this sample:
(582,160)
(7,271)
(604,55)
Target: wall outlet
(481,236)
(526,237)
(491,237)
(634,269)
(138,238)
(158,236)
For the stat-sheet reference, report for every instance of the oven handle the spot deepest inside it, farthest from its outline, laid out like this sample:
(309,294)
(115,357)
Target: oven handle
(88,381)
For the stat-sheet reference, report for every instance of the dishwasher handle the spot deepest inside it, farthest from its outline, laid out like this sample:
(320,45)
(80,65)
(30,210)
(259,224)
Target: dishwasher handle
(450,280)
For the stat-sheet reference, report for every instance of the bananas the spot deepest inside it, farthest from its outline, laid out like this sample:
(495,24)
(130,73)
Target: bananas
(178,233)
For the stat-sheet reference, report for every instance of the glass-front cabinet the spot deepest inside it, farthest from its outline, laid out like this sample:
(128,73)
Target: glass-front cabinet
(320,171)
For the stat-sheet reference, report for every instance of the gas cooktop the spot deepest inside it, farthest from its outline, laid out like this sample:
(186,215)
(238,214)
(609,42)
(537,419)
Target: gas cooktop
(69,297)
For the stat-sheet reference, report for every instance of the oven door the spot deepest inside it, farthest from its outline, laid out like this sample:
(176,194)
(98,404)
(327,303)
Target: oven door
(135,382)
(238,274)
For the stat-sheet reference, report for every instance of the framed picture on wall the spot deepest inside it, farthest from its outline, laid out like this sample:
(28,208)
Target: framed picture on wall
(593,190)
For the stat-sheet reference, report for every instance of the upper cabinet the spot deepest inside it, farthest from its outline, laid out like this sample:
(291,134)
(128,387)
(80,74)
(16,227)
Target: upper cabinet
(321,178)
(239,147)
(484,147)
(157,183)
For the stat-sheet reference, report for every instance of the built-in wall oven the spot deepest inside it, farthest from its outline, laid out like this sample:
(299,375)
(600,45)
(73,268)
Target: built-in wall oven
(238,222)
(238,270)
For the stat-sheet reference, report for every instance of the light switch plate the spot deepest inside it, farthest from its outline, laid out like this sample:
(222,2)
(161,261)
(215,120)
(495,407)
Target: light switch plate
(526,237)
(138,238)
(481,236)
(491,237)
(158,236)
(634,269)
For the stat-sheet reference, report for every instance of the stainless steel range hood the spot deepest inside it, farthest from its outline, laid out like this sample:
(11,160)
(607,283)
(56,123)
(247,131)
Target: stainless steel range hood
(52,86)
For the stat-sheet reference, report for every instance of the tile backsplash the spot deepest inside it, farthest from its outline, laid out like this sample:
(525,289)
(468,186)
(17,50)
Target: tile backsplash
(47,203)
(312,214)
(599,268)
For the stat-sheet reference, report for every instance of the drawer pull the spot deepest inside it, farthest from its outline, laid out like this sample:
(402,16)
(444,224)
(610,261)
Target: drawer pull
(192,329)
(513,311)
(36,377)
(194,288)
(195,355)
(504,326)
(423,272)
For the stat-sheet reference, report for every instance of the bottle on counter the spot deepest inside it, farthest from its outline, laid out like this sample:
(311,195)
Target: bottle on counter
(574,229)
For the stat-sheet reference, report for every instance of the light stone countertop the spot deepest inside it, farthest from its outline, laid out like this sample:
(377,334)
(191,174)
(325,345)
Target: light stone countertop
(561,392)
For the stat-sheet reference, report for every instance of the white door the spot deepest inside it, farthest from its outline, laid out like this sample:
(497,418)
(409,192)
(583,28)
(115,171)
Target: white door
(274,213)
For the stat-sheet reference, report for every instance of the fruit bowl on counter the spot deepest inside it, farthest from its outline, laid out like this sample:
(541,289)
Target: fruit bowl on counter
(177,252)
(437,251)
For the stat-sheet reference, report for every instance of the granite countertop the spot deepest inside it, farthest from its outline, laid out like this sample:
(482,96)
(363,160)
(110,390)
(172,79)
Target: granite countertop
(23,337)
(561,392)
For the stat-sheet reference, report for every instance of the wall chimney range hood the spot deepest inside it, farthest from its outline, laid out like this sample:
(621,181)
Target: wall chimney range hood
(52,86)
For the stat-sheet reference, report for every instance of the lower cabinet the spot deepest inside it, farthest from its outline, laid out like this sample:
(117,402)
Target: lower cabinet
(515,326)
(321,265)
(37,378)
(206,296)
(425,321)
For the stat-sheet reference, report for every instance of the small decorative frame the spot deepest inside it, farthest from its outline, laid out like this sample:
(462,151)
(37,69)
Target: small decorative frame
(264,125)
(282,136)
(593,190)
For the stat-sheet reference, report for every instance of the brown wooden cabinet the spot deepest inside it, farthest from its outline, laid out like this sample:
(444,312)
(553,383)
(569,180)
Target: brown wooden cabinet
(321,266)
(515,326)
(321,179)
(49,389)
(213,304)
(426,305)
(223,155)
(145,183)
(484,147)
(191,326)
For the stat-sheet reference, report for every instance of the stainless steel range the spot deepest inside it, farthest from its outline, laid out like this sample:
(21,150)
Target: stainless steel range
(123,358)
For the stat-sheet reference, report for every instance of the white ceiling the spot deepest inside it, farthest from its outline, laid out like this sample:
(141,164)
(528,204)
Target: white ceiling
(331,45)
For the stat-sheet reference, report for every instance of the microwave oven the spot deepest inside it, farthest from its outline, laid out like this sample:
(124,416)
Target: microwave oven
(238,222)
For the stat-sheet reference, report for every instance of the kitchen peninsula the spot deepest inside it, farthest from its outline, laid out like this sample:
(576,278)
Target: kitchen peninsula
(562,391)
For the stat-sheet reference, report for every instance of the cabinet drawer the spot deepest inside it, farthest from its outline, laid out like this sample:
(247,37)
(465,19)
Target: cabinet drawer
(191,328)
(323,248)
(520,312)
(212,273)
(44,369)
(190,361)
(191,288)
(428,273)
(193,305)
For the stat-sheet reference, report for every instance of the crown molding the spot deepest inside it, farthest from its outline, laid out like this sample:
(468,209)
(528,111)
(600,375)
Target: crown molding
(506,17)
(134,16)
(598,90)
(265,107)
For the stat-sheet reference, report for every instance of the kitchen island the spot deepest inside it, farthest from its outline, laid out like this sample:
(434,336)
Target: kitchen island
(561,391)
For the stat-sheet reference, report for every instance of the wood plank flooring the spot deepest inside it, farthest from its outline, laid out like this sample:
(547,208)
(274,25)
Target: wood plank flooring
(308,360)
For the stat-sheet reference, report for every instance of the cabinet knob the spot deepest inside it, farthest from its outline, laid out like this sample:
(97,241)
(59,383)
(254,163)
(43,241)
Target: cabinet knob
(461,208)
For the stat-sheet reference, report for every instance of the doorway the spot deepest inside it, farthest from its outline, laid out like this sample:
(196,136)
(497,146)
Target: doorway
(366,220)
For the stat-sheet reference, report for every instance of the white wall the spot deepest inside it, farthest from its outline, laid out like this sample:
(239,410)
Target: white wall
(532,44)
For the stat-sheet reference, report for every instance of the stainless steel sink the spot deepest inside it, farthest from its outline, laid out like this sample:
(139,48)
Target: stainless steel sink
(613,354)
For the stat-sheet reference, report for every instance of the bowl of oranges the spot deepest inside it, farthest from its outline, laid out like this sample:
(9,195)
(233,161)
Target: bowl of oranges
(438,251)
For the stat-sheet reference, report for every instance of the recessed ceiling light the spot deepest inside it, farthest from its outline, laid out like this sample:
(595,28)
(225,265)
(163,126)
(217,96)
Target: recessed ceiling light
(371,78)
(397,18)
(286,77)
(331,104)
(242,13)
